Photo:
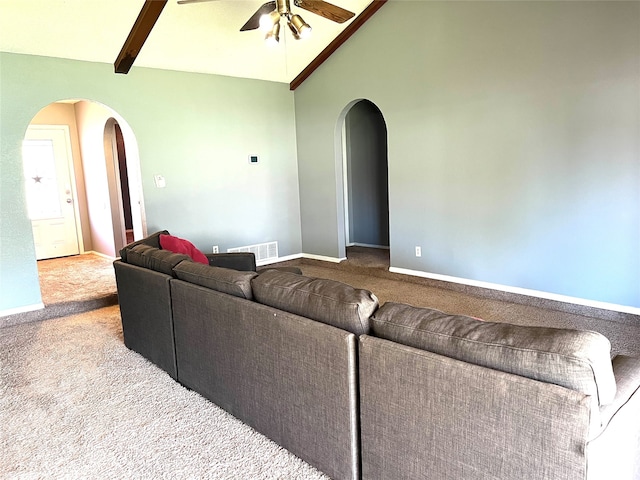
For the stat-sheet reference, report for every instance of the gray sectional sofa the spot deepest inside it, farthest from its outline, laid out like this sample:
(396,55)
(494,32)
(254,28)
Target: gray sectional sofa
(383,392)
(145,298)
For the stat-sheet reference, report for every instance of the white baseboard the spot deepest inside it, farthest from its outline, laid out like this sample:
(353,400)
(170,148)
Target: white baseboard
(520,291)
(323,258)
(301,255)
(279,259)
(103,255)
(28,308)
(366,245)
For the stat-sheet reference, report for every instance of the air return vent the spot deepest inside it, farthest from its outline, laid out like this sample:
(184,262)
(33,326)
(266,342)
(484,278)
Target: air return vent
(264,252)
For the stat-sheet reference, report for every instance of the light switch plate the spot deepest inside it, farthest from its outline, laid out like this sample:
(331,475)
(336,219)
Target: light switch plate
(159,181)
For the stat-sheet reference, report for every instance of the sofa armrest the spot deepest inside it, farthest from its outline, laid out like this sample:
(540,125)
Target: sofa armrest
(152,240)
(627,373)
(615,453)
(243,261)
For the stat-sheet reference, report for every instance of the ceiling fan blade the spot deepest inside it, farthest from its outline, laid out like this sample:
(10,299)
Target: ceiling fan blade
(139,32)
(183,2)
(325,9)
(254,21)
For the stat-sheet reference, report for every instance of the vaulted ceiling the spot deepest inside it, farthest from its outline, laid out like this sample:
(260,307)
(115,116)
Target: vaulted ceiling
(198,37)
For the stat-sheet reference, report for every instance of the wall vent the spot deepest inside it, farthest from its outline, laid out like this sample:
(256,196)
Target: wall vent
(264,252)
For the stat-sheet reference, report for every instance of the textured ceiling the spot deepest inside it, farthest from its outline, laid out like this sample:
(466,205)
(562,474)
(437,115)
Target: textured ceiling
(198,37)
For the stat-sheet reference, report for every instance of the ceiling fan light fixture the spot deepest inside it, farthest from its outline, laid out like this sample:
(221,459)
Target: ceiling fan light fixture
(273,36)
(268,20)
(299,27)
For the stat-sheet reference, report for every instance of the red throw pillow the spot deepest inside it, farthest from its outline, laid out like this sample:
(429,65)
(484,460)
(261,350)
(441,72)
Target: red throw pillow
(180,245)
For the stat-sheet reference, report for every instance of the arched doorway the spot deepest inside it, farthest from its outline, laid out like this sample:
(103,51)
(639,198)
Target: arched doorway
(122,208)
(95,192)
(366,181)
(125,199)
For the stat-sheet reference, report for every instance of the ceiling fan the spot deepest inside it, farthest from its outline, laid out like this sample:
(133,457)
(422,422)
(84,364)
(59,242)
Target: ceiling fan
(268,17)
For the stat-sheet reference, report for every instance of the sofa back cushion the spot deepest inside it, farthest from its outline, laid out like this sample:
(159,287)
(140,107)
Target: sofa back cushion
(155,259)
(226,280)
(579,360)
(152,240)
(326,301)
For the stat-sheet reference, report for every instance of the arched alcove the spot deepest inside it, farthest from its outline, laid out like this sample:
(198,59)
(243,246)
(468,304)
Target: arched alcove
(363,191)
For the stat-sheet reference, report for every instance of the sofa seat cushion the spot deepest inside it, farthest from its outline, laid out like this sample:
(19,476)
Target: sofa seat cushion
(326,301)
(225,280)
(579,360)
(155,259)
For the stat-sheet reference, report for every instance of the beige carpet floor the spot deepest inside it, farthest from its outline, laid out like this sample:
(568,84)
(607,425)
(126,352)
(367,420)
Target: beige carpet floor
(70,285)
(77,278)
(75,403)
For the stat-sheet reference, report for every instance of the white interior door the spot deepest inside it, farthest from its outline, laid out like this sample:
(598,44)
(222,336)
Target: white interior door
(48,171)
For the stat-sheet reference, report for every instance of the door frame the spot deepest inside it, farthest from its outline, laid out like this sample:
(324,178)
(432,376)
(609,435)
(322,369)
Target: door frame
(72,175)
(138,213)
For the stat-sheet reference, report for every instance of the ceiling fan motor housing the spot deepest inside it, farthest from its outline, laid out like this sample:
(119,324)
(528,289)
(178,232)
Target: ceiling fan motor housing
(284,7)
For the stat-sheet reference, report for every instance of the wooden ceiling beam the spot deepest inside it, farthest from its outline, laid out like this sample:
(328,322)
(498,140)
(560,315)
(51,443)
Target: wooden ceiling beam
(360,20)
(138,35)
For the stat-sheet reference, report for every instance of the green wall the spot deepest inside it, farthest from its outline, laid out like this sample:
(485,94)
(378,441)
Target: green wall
(195,130)
(514,142)
(513,137)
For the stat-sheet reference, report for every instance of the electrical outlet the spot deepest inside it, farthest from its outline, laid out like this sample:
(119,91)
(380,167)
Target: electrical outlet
(216,249)
(418,252)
